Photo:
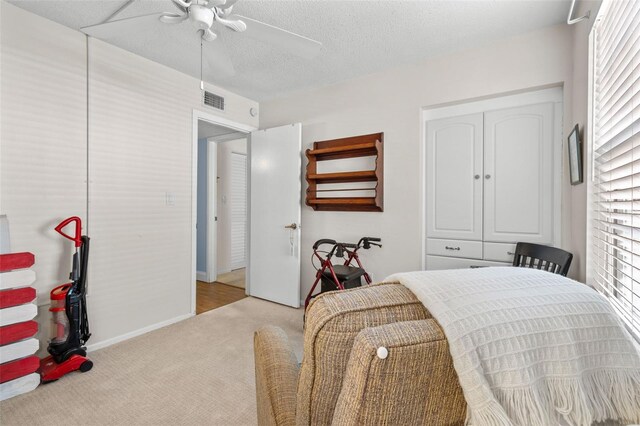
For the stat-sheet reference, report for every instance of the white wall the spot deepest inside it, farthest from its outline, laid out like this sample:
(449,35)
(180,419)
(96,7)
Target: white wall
(43,166)
(580,57)
(391,102)
(140,149)
(224,200)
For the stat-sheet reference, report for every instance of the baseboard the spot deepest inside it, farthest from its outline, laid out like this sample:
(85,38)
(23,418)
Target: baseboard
(202,276)
(136,333)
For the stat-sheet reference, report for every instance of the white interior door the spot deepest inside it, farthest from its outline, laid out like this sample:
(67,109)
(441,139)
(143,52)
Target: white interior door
(275,186)
(454,177)
(518,181)
(238,210)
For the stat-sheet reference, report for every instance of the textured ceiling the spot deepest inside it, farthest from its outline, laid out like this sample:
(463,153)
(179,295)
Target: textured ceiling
(359,37)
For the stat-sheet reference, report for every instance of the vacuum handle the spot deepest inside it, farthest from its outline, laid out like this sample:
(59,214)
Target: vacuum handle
(77,238)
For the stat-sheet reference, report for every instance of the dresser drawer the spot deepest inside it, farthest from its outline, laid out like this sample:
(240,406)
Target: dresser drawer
(455,248)
(500,252)
(440,262)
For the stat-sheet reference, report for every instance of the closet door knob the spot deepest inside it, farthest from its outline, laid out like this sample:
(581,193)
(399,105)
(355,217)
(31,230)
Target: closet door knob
(476,177)
(487,176)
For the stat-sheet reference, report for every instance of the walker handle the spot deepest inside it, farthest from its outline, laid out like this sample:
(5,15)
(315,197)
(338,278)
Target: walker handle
(323,241)
(367,242)
(77,238)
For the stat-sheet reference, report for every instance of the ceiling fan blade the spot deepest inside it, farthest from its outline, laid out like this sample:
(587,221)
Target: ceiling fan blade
(115,28)
(294,43)
(228,4)
(184,10)
(235,25)
(182,3)
(214,3)
(218,60)
(172,18)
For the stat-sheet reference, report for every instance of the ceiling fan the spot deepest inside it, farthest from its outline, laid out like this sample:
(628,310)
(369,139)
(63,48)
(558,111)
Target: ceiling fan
(208,17)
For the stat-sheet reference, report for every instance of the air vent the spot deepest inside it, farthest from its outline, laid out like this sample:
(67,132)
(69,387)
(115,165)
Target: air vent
(213,100)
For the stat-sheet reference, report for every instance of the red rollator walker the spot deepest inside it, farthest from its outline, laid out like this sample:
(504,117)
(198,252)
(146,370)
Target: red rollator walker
(339,277)
(69,309)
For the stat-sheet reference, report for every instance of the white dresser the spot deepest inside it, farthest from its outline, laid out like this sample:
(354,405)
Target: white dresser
(493,173)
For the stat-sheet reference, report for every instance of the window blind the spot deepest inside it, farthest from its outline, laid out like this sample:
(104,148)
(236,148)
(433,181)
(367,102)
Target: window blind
(615,199)
(238,209)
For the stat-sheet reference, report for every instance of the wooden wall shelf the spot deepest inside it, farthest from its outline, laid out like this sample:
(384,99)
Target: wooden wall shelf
(345,177)
(346,151)
(339,149)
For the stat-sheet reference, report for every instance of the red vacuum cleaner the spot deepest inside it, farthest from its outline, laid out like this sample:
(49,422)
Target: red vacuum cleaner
(69,309)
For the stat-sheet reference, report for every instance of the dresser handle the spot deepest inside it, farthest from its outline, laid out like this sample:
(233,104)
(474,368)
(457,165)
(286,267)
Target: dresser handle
(510,253)
(451,248)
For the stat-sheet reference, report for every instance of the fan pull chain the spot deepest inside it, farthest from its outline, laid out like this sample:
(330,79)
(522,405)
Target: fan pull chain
(201,80)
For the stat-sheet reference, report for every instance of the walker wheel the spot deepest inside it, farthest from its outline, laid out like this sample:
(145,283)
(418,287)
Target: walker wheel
(86,366)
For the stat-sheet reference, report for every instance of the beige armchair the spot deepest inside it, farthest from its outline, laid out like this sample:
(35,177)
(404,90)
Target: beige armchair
(344,378)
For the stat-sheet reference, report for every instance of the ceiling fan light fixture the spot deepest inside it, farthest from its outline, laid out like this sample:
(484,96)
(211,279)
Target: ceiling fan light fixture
(171,18)
(208,35)
(201,16)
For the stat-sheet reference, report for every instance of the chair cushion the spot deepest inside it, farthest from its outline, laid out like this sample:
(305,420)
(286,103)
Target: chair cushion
(332,322)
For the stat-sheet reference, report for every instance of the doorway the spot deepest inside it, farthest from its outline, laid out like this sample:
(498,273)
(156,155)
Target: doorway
(273,203)
(221,215)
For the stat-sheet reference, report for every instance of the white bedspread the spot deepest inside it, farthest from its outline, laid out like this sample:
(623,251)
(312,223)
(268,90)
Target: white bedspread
(531,347)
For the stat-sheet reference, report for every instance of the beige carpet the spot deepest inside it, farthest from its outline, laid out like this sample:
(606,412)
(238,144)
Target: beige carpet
(199,371)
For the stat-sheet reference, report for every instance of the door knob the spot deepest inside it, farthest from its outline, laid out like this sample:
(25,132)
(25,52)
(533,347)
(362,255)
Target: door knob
(476,177)
(292,226)
(487,176)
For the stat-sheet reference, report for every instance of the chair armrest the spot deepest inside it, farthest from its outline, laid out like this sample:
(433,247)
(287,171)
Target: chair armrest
(276,377)
(414,384)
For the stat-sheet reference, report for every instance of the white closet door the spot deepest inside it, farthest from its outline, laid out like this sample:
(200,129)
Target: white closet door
(454,177)
(518,180)
(238,210)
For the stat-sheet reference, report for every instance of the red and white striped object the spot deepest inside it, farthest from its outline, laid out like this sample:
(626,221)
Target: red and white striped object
(18,296)
(18,364)
(16,332)
(20,367)
(11,261)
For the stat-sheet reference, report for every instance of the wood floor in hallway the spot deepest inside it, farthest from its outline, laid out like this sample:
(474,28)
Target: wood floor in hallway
(214,295)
